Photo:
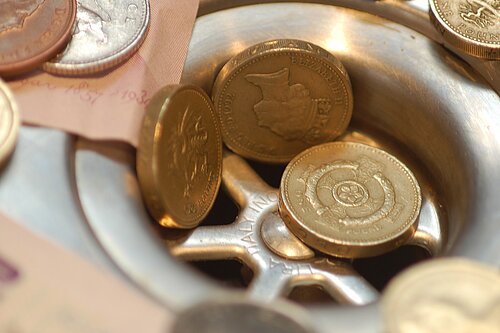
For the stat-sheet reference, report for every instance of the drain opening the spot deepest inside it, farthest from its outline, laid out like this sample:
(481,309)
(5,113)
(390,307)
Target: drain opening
(223,212)
(271,173)
(379,270)
(230,273)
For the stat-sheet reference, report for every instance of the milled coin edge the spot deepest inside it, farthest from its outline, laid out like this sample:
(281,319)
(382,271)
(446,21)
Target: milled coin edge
(477,48)
(146,164)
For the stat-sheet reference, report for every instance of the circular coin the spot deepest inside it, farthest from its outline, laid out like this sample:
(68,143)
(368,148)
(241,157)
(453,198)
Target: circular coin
(443,295)
(277,98)
(471,25)
(349,200)
(106,34)
(9,122)
(179,158)
(32,32)
(229,314)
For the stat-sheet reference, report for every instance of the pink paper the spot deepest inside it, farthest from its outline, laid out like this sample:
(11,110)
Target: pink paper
(111,107)
(45,289)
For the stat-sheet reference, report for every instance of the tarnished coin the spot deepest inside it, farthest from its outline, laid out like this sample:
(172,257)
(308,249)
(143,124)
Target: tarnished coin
(471,25)
(9,122)
(443,295)
(229,314)
(32,32)
(277,98)
(179,158)
(106,34)
(349,199)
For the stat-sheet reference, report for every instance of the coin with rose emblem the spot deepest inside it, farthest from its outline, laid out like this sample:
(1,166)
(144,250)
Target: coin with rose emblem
(349,199)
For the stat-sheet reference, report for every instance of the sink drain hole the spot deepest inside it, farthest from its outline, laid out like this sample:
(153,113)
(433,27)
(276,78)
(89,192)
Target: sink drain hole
(379,270)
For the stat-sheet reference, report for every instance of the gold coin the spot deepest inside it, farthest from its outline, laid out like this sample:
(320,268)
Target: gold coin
(9,122)
(443,295)
(471,25)
(277,98)
(179,158)
(349,199)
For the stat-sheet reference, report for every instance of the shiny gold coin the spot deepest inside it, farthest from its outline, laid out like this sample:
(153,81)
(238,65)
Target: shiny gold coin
(471,25)
(9,122)
(349,199)
(179,158)
(277,98)
(443,295)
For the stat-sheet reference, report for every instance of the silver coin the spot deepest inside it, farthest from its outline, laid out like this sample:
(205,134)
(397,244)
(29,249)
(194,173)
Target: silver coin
(230,315)
(106,34)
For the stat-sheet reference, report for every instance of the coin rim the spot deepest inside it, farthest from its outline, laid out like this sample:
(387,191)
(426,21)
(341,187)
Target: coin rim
(106,62)
(472,46)
(347,248)
(281,307)
(274,48)
(147,164)
(407,280)
(7,146)
(15,68)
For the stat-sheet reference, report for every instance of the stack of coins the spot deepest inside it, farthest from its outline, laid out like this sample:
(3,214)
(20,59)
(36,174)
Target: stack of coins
(276,102)
(63,37)
(66,37)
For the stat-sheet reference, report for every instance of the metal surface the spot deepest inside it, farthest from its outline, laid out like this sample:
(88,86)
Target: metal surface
(416,92)
(105,35)
(413,98)
(36,189)
(274,276)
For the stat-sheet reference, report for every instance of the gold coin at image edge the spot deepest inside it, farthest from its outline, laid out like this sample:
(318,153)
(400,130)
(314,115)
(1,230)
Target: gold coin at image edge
(179,157)
(455,294)
(256,92)
(9,122)
(466,25)
(348,199)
